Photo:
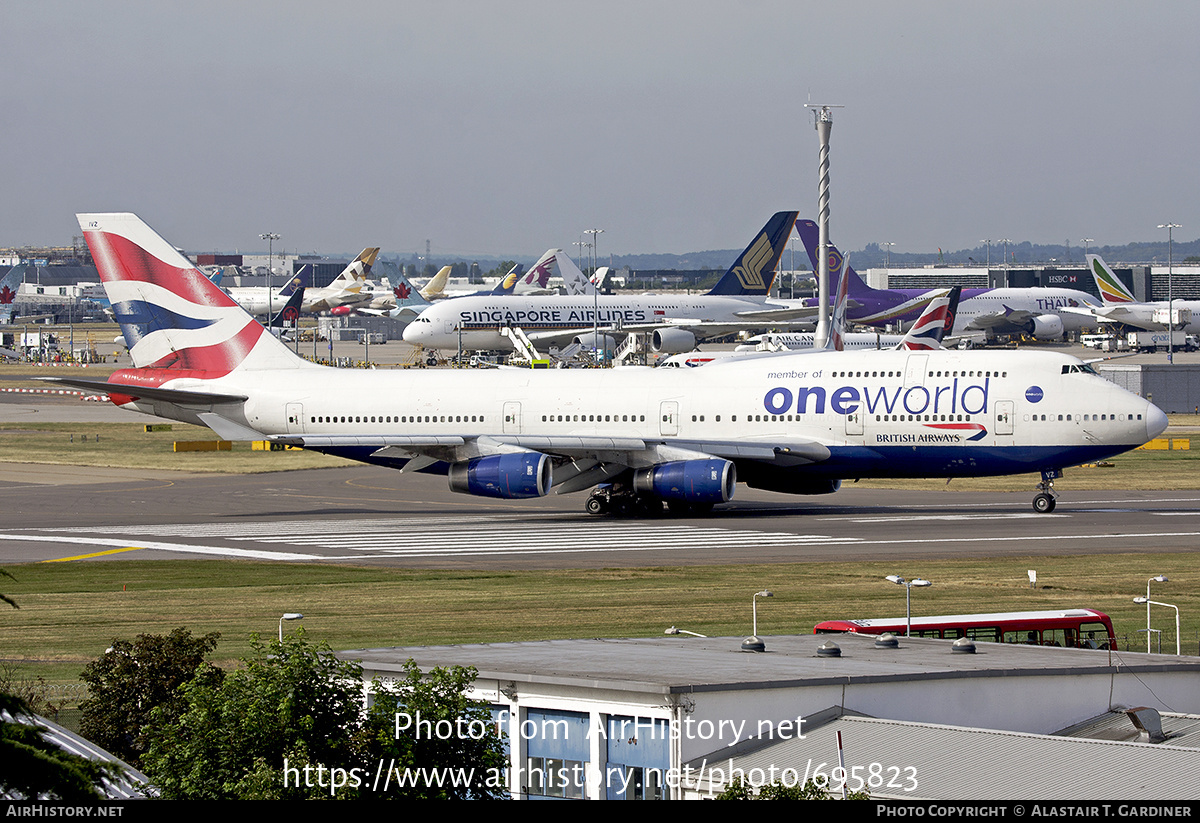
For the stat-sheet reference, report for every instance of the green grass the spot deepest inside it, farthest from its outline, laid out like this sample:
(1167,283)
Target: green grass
(128,445)
(71,612)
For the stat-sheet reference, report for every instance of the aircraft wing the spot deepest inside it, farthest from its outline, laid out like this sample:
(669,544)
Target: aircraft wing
(580,461)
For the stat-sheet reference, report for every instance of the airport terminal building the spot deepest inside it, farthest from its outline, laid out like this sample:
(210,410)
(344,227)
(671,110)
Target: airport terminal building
(679,717)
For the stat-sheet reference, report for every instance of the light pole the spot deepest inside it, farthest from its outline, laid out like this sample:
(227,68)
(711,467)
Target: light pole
(753,643)
(270,237)
(887,260)
(595,233)
(1087,242)
(920,583)
(1149,602)
(989,251)
(288,616)
(1170,227)
(1159,578)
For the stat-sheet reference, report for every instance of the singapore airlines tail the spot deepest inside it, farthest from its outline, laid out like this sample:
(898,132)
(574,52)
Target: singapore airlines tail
(753,272)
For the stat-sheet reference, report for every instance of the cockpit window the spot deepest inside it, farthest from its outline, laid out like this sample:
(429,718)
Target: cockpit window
(1079,368)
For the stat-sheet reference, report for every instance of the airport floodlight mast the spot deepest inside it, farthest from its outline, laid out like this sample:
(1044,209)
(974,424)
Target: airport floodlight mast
(988,242)
(920,583)
(1087,242)
(595,233)
(1170,227)
(823,122)
(270,237)
(887,260)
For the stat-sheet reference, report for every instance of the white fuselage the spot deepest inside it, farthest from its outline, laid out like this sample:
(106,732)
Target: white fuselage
(880,414)
(476,321)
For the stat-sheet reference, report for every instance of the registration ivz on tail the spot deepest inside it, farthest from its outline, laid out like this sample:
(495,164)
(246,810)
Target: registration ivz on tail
(796,425)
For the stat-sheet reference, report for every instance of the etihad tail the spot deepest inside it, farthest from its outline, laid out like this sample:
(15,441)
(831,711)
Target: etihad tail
(1112,290)
(358,269)
(754,270)
(935,322)
(174,320)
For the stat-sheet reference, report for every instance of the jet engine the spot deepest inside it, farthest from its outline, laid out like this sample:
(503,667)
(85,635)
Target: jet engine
(1045,327)
(603,342)
(514,476)
(672,341)
(693,481)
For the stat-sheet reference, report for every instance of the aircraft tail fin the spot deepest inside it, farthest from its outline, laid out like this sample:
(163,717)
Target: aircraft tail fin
(359,268)
(538,277)
(302,280)
(509,281)
(10,284)
(811,237)
(837,329)
(289,316)
(437,284)
(753,272)
(172,316)
(934,323)
(575,280)
(1112,290)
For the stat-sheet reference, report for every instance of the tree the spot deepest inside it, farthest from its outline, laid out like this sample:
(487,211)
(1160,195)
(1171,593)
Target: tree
(251,734)
(131,680)
(428,721)
(290,725)
(816,788)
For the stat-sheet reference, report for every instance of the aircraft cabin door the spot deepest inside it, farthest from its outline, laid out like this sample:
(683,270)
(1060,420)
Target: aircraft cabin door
(295,418)
(914,370)
(1004,417)
(512,417)
(669,418)
(854,422)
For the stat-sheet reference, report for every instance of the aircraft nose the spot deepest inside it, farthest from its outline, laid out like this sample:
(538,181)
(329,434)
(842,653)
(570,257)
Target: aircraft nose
(412,334)
(1156,421)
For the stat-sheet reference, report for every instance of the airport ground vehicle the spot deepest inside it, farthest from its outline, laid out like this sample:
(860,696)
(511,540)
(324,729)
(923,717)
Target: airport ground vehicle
(1074,628)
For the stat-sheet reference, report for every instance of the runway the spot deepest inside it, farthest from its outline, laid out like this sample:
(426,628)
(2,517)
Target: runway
(366,515)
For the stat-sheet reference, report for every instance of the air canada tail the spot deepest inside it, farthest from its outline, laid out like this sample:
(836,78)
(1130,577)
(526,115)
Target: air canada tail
(1111,289)
(176,323)
(934,323)
(754,270)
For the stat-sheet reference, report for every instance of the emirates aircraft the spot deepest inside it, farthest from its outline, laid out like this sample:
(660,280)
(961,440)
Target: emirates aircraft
(639,437)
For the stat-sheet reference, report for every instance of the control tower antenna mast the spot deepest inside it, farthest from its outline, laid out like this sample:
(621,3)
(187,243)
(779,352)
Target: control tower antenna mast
(823,120)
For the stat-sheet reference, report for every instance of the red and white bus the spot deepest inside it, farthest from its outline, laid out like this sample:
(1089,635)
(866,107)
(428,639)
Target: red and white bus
(1073,628)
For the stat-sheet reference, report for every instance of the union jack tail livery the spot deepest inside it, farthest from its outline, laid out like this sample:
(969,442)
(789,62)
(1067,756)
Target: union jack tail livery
(934,323)
(175,321)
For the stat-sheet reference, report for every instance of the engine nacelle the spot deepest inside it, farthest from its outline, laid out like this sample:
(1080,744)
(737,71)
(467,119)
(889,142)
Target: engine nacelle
(1045,327)
(602,342)
(694,481)
(341,311)
(513,476)
(770,479)
(672,341)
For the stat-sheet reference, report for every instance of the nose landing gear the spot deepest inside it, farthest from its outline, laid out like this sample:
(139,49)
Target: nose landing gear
(1044,500)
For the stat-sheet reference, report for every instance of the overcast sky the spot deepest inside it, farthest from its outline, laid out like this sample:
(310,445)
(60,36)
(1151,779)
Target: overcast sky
(502,128)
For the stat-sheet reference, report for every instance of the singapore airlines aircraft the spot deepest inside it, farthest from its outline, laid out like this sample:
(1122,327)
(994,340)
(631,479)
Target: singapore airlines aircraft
(738,301)
(1043,313)
(796,425)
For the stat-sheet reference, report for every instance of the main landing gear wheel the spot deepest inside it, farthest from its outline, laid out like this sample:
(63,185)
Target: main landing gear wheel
(1044,500)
